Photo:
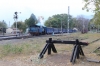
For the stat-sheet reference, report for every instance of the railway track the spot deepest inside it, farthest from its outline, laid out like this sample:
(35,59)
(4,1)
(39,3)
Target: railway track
(94,41)
(9,37)
(14,37)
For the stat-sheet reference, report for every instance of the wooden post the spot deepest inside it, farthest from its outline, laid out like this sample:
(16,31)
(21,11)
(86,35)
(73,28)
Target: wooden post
(77,50)
(51,46)
(43,51)
(75,54)
(72,54)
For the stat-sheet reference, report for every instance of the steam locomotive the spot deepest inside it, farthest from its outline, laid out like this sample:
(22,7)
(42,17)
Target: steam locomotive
(41,30)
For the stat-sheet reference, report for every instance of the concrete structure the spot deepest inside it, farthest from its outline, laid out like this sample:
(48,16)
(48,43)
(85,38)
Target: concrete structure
(9,30)
(12,31)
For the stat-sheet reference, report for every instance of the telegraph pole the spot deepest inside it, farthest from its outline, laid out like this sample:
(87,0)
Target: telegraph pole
(9,24)
(68,21)
(83,27)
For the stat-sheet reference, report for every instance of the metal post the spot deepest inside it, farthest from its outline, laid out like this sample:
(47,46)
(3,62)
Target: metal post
(68,21)
(3,28)
(9,23)
(16,27)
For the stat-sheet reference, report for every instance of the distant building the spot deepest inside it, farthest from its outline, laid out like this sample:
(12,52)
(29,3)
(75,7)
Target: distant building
(12,30)
(9,30)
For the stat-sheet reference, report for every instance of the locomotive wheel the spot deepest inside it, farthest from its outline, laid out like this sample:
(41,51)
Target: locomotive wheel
(37,34)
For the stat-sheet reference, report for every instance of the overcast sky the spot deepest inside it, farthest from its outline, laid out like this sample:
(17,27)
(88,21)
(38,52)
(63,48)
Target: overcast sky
(43,8)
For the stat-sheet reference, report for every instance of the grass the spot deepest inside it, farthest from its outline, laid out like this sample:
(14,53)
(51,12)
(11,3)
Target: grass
(10,49)
(97,51)
(35,45)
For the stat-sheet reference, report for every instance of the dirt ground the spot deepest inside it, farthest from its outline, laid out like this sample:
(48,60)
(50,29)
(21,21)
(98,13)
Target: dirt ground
(59,59)
(62,58)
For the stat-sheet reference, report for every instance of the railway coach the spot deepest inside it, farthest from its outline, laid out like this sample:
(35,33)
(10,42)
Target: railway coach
(41,30)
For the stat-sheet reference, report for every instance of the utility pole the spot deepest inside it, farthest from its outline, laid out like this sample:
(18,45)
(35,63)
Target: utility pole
(68,21)
(83,27)
(61,24)
(3,28)
(9,24)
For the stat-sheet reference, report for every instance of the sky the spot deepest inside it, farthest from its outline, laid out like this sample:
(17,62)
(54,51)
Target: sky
(45,8)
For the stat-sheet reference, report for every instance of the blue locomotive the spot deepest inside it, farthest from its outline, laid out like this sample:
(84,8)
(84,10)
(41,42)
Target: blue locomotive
(41,30)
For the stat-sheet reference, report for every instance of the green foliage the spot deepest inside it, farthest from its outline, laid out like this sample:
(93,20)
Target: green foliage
(75,22)
(97,51)
(20,25)
(31,21)
(56,20)
(3,24)
(11,49)
(95,7)
(96,19)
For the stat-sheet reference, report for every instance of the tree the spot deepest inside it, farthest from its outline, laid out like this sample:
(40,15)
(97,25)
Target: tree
(93,5)
(96,18)
(52,22)
(82,23)
(20,25)
(31,21)
(3,24)
(57,20)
